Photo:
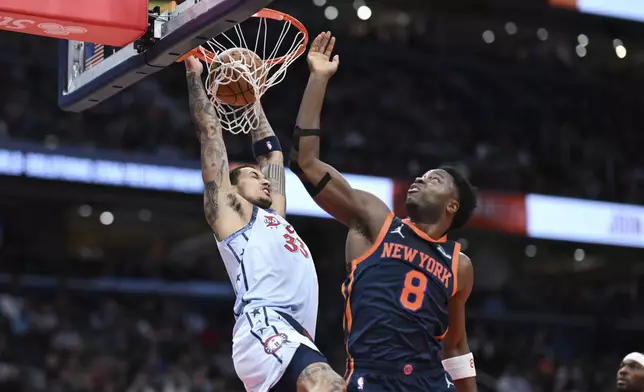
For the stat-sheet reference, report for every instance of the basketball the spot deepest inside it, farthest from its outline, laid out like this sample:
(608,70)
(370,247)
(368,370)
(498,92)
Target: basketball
(238,66)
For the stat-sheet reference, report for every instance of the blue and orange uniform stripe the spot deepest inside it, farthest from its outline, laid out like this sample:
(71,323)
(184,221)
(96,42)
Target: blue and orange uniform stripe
(349,286)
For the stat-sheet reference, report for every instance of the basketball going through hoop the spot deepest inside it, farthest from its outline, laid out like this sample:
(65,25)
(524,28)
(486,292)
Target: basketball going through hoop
(238,75)
(241,66)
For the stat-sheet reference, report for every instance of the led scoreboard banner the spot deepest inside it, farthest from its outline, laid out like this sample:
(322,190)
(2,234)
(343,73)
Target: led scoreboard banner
(622,9)
(532,215)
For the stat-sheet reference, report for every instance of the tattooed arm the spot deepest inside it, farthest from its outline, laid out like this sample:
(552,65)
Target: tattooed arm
(271,165)
(319,376)
(226,212)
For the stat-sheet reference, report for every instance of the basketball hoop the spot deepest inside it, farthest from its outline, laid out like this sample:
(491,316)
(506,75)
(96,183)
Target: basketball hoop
(270,71)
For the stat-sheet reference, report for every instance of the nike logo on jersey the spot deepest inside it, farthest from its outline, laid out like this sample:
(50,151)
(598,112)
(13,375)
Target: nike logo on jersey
(392,250)
(449,383)
(398,231)
(442,251)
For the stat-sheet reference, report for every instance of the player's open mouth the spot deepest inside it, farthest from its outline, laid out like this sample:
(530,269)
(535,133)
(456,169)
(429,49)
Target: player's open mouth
(267,191)
(413,189)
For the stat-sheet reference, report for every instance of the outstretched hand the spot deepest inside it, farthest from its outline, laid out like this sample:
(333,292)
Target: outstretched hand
(193,65)
(319,58)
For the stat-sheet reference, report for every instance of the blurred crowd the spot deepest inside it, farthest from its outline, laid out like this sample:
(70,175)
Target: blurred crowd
(74,342)
(54,339)
(536,331)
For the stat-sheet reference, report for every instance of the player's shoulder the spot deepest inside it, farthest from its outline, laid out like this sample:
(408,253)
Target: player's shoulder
(464,266)
(465,274)
(370,199)
(374,209)
(464,260)
(270,211)
(368,227)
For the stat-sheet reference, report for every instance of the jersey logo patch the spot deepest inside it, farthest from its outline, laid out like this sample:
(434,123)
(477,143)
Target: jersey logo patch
(271,221)
(408,369)
(398,231)
(274,343)
(361,383)
(449,383)
(442,251)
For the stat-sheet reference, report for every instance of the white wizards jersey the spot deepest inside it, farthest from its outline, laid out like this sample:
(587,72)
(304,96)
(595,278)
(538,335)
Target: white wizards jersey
(270,266)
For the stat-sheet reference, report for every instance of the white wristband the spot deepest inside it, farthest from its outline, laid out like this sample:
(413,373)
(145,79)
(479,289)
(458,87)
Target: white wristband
(460,367)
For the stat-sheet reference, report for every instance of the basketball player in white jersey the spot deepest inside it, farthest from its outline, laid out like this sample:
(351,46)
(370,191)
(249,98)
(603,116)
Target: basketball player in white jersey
(269,266)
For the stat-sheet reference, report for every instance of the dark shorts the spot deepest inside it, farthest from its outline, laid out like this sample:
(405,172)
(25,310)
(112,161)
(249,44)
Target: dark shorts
(380,379)
(304,356)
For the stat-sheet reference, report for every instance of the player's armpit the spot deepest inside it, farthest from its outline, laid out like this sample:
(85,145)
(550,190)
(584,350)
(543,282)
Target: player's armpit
(319,377)
(225,211)
(455,343)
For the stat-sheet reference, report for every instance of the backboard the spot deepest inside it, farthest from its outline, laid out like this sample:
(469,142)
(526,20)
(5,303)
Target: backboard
(91,73)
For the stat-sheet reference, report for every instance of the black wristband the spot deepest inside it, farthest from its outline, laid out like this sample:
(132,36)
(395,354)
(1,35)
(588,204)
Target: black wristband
(266,145)
(299,132)
(306,132)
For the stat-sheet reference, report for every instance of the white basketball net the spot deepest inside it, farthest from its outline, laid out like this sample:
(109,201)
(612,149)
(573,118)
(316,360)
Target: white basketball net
(237,119)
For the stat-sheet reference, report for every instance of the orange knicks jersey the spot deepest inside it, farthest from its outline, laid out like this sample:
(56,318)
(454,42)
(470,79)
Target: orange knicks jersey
(397,299)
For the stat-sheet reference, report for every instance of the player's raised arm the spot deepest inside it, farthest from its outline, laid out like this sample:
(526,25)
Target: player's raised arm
(269,156)
(326,185)
(224,209)
(458,360)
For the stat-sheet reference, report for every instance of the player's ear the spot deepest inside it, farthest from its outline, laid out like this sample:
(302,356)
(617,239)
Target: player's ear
(453,206)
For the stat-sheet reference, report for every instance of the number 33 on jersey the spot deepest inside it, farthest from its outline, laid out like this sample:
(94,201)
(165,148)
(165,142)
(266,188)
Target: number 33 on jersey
(265,258)
(293,241)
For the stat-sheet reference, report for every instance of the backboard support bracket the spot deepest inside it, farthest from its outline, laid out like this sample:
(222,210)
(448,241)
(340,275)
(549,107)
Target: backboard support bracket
(189,25)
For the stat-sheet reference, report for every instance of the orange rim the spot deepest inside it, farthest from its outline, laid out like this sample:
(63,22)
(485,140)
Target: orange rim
(205,55)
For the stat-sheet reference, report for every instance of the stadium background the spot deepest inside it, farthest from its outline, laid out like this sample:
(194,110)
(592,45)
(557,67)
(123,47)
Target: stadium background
(116,286)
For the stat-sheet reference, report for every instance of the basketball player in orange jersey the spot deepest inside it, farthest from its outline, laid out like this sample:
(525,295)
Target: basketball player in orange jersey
(407,284)
(269,266)
(630,376)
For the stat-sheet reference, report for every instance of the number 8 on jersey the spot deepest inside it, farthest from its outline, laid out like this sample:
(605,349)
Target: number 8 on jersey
(413,292)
